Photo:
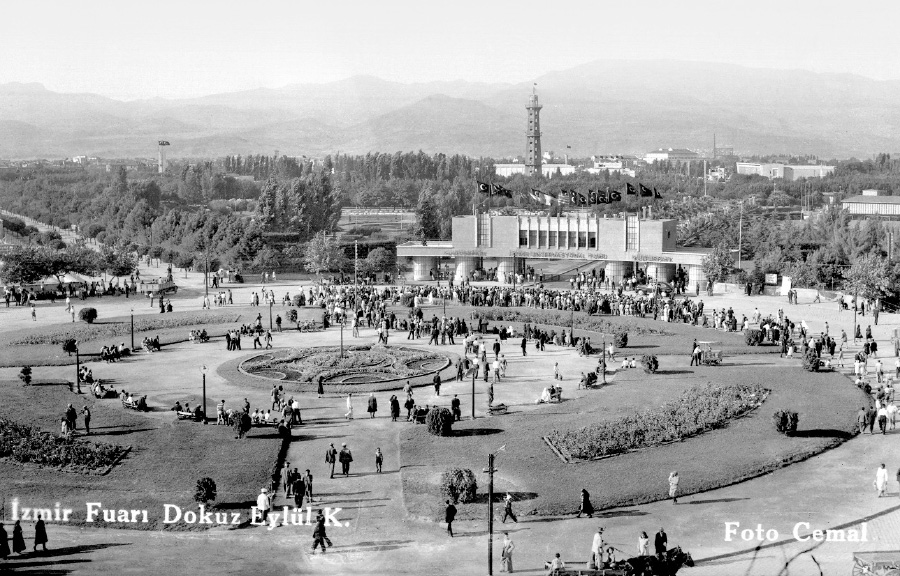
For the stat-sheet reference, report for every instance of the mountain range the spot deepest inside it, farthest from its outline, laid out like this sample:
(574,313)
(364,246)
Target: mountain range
(603,107)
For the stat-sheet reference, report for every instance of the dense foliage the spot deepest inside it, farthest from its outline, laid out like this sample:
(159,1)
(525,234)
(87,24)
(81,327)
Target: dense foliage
(786,421)
(27,444)
(87,315)
(459,485)
(564,320)
(439,422)
(205,491)
(698,409)
(811,360)
(650,363)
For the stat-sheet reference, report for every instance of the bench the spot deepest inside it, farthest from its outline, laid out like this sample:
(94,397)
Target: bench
(130,405)
(184,415)
(570,571)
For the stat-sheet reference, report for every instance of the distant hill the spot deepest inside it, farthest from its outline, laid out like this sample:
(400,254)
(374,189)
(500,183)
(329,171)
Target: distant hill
(600,107)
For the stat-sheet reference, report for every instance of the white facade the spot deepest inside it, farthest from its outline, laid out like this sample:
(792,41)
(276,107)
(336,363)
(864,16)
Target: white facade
(872,205)
(788,172)
(507,170)
(549,170)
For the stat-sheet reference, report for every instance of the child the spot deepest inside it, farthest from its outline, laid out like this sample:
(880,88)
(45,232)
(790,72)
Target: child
(502,366)
(556,374)
(379,458)
(624,363)
(633,363)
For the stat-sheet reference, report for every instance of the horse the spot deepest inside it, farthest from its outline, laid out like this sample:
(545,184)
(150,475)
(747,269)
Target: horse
(653,566)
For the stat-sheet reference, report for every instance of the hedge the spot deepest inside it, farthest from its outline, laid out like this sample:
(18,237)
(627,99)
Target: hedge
(698,409)
(24,443)
(459,485)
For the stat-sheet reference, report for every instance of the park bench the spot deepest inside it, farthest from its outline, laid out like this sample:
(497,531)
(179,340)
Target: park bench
(572,571)
(185,415)
(556,395)
(133,405)
(711,357)
(497,409)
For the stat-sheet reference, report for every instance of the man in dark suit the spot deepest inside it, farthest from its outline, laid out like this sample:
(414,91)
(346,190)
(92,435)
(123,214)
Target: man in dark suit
(449,515)
(660,542)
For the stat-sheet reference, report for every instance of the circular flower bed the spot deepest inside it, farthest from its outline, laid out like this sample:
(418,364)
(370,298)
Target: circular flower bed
(360,364)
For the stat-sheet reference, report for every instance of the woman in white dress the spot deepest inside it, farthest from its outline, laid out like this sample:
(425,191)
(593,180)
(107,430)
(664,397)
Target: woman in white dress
(349,414)
(881,478)
(673,487)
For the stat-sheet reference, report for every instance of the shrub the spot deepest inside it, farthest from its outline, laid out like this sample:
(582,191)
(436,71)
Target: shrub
(25,375)
(292,315)
(439,421)
(786,421)
(621,339)
(459,485)
(296,300)
(23,443)
(811,360)
(70,345)
(696,410)
(650,363)
(205,490)
(88,315)
(753,337)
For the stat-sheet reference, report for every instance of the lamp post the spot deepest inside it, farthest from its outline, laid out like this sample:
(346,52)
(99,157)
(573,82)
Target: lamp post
(132,329)
(603,361)
(77,369)
(203,370)
(342,335)
(490,472)
(473,393)
(271,302)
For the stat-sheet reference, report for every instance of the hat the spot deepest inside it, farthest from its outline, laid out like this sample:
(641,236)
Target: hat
(264,490)
(344,444)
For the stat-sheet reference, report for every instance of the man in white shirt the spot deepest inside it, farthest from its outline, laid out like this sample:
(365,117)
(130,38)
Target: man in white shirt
(262,504)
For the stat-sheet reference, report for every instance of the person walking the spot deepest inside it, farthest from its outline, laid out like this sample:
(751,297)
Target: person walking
(437,384)
(87,420)
(586,506)
(286,479)
(449,515)
(18,539)
(395,408)
(308,482)
(506,558)
(345,458)
(644,545)
(319,536)
(881,478)
(4,543)
(455,409)
(40,533)
(349,414)
(263,503)
(659,543)
(321,388)
(882,418)
(507,509)
(331,457)
(373,405)
(379,459)
(298,487)
(673,486)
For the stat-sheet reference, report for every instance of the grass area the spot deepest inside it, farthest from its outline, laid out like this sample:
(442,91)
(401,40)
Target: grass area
(166,460)
(545,485)
(171,328)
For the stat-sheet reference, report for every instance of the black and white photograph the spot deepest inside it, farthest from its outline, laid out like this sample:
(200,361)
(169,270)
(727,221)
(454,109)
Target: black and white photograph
(557,289)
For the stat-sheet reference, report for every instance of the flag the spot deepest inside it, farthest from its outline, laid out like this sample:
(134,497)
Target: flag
(573,197)
(601,197)
(484,188)
(656,194)
(629,188)
(499,190)
(582,199)
(615,196)
(568,147)
(645,192)
(592,197)
(163,142)
(563,197)
(542,197)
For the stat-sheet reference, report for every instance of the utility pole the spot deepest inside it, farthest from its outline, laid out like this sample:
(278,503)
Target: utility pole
(78,368)
(355,276)
(740,233)
(473,393)
(490,471)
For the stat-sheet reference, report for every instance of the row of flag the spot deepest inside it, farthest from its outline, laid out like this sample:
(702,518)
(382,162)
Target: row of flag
(572,197)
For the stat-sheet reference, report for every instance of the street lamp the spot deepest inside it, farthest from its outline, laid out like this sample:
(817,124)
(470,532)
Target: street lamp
(473,391)
(132,329)
(603,361)
(203,370)
(271,302)
(77,369)
(490,472)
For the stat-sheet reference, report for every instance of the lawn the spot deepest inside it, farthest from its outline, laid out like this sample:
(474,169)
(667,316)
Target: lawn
(545,485)
(43,346)
(167,458)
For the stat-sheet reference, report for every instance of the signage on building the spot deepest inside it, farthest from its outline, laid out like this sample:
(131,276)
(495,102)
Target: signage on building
(476,253)
(771,279)
(558,255)
(650,258)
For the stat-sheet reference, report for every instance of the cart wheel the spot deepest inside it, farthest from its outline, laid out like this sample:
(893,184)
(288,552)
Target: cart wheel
(888,572)
(175,290)
(860,569)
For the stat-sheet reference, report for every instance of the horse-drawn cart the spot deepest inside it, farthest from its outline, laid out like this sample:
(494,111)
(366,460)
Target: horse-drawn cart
(876,563)
(159,287)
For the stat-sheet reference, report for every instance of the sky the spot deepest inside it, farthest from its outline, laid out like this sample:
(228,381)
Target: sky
(181,49)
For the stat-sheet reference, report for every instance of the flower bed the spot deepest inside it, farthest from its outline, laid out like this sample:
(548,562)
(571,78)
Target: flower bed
(564,319)
(371,363)
(26,444)
(698,409)
(84,333)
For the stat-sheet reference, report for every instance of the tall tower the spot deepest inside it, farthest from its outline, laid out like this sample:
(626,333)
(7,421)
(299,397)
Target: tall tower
(162,156)
(533,148)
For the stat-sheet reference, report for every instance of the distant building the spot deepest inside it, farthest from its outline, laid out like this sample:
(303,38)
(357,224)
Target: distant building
(533,144)
(611,164)
(716,174)
(872,203)
(551,170)
(507,170)
(788,172)
(670,154)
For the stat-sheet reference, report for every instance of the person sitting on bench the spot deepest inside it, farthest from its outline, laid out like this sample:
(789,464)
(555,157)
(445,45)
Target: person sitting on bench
(142,403)
(204,337)
(177,407)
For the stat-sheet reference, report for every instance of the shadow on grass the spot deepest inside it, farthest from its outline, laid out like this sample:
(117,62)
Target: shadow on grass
(619,514)
(116,432)
(84,548)
(823,433)
(501,497)
(475,432)
(245,505)
(670,372)
(641,347)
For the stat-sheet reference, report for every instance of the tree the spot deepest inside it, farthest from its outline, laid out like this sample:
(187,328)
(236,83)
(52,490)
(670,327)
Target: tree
(718,263)
(427,223)
(381,259)
(324,255)
(205,490)
(116,261)
(25,375)
(869,277)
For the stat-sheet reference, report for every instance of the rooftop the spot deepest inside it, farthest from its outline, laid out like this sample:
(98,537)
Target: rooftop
(872,200)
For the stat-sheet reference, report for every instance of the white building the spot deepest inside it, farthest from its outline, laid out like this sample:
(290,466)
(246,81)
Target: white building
(787,171)
(872,202)
(667,154)
(507,170)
